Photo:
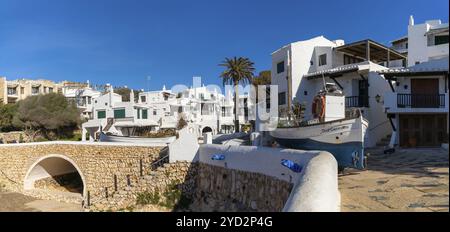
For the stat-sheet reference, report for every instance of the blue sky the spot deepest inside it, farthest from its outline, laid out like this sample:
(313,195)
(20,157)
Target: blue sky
(123,41)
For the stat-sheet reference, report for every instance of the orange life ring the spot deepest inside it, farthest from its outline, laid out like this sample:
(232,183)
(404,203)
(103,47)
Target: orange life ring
(318,107)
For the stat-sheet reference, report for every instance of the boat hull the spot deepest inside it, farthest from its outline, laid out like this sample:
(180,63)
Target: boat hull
(344,139)
(123,139)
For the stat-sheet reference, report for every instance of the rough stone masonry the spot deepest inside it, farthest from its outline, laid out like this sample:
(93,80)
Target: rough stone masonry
(98,164)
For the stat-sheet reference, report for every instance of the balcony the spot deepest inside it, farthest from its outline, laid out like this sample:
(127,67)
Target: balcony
(421,100)
(357,101)
(415,103)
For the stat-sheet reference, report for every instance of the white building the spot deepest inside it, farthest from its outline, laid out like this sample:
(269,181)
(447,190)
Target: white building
(111,114)
(205,109)
(83,96)
(426,41)
(418,104)
(352,67)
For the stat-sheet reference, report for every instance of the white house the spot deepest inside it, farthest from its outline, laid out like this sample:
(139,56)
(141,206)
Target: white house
(205,109)
(352,67)
(417,104)
(427,41)
(83,96)
(111,114)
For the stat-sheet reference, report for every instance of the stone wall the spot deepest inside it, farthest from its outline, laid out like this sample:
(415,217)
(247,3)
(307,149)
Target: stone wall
(97,163)
(13,137)
(181,175)
(228,190)
(208,188)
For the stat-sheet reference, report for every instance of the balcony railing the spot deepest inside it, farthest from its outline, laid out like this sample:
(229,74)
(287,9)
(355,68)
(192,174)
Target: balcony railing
(357,101)
(421,100)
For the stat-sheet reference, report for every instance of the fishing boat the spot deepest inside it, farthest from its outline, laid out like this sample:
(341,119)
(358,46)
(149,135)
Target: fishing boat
(135,139)
(332,130)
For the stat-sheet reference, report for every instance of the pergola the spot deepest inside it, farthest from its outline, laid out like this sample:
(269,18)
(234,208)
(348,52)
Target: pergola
(370,50)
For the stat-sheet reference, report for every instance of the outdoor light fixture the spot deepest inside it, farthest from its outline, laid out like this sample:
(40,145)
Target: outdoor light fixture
(378,98)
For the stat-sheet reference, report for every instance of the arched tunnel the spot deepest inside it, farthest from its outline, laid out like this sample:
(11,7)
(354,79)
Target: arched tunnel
(56,173)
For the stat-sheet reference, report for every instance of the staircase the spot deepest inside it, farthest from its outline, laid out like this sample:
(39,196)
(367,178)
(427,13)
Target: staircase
(110,122)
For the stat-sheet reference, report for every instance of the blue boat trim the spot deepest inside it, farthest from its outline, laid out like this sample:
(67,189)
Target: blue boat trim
(349,154)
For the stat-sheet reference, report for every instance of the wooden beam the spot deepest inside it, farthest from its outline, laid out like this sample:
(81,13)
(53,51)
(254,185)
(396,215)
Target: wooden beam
(337,83)
(388,58)
(367,50)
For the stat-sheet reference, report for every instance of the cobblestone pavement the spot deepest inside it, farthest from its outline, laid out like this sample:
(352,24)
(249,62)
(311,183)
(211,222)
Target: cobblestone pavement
(16,202)
(408,180)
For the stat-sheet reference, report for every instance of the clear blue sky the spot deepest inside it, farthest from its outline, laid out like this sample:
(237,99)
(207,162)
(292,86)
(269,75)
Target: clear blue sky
(123,41)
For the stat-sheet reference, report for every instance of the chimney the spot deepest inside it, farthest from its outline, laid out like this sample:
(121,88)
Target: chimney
(411,20)
(132,96)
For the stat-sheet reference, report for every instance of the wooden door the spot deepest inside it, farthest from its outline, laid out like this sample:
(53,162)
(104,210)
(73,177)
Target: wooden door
(425,93)
(423,130)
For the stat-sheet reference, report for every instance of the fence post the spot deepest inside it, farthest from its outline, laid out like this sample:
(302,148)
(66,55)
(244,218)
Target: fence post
(115,183)
(140,168)
(89,198)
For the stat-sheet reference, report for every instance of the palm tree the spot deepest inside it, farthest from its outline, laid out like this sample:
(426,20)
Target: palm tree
(237,71)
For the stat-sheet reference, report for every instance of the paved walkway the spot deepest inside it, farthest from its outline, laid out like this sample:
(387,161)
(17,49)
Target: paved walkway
(408,180)
(16,202)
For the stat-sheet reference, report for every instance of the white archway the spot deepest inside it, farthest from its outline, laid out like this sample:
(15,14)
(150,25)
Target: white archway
(51,165)
(207,129)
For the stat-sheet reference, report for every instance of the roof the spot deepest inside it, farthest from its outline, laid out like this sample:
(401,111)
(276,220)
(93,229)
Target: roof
(338,71)
(432,67)
(401,39)
(437,31)
(378,52)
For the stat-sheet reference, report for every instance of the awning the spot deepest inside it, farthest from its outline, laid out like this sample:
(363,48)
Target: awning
(370,50)
(339,71)
(429,68)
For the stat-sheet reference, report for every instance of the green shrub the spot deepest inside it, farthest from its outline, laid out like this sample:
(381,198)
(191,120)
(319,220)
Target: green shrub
(146,198)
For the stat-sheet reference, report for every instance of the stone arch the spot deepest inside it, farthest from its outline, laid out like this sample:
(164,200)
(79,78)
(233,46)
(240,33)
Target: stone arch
(49,166)
(207,129)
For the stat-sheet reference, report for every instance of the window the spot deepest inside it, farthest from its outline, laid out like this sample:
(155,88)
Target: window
(280,67)
(406,45)
(35,90)
(144,113)
(351,60)
(89,100)
(143,99)
(138,113)
(281,98)
(440,39)
(154,112)
(50,90)
(180,109)
(12,91)
(322,59)
(101,114)
(119,113)
(45,89)
(223,111)
(22,90)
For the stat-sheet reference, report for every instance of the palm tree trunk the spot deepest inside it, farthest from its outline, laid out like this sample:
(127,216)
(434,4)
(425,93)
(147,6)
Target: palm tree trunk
(236,107)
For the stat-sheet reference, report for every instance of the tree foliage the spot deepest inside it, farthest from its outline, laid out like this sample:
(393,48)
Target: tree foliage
(7,113)
(46,113)
(263,78)
(125,93)
(237,71)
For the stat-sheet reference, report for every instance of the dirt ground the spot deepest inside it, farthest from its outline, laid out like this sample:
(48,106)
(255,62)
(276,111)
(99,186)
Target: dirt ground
(16,202)
(407,181)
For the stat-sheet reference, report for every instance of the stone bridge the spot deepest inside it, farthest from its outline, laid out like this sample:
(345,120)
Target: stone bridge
(101,167)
